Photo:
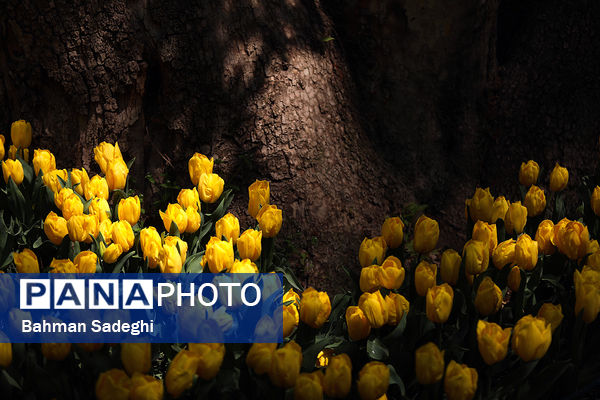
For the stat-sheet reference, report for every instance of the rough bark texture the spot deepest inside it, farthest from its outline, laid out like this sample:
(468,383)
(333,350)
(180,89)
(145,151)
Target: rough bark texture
(411,101)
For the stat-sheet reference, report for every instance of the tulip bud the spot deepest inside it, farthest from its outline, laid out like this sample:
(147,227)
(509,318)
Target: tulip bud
(51,180)
(543,237)
(595,200)
(499,209)
(180,375)
(559,177)
(587,295)
(552,314)
(285,365)
(338,377)
(96,187)
(79,180)
(259,357)
(439,302)
(259,196)
(391,273)
(113,384)
(122,234)
(43,160)
(427,233)
(476,256)
(189,198)
(174,213)
(144,387)
(531,338)
(194,220)
(514,279)
(450,266)
(535,201)
(372,251)
(210,187)
(373,380)
(359,326)
(218,255)
(429,364)
(249,244)
(86,262)
(374,307)
(308,386)
(112,253)
(136,357)
(486,233)
(488,299)
(269,220)
(425,275)
(20,133)
(397,307)
(460,382)
(392,231)
(13,169)
(515,218)
(229,227)
(56,351)
(528,174)
(315,307)
(151,245)
(116,174)
(492,341)
(504,254)
(100,208)
(481,205)
(526,252)
(199,164)
(55,228)
(130,209)
(26,262)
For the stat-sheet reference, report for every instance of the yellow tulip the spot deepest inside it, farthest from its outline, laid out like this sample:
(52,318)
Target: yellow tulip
(359,326)
(372,251)
(244,266)
(210,187)
(210,357)
(486,233)
(105,152)
(181,371)
(392,231)
(116,174)
(492,341)
(83,227)
(338,377)
(129,210)
(460,382)
(269,220)
(259,357)
(145,387)
(559,177)
(315,307)
(113,384)
(96,187)
(572,239)
(531,338)
(2,148)
(229,227)
(199,164)
(55,228)
(136,357)
(56,351)
(13,169)
(174,213)
(218,255)
(259,196)
(61,196)
(51,179)
(450,266)
(20,133)
(374,307)
(425,275)
(499,209)
(514,279)
(112,253)
(552,314)
(515,218)
(86,262)
(587,294)
(43,160)
(172,255)
(79,180)
(122,234)
(488,299)
(309,386)
(369,279)
(189,198)
(504,254)
(373,380)
(535,201)
(543,237)
(429,364)
(194,220)
(427,233)
(105,228)
(528,173)
(397,307)
(26,262)
(151,245)
(477,256)
(481,205)
(71,206)
(595,200)
(100,208)
(249,244)
(391,273)
(439,302)
(285,365)
(526,252)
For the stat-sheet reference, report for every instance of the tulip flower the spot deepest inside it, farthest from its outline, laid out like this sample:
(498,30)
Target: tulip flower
(477,256)
(269,220)
(492,341)
(20,133)
(96,187)
(460,382)
(535,201)
(145,387)
(181,371)
(559,177)
(425,275)
(374,307)
(427,233)
(543,237)
(372,251)
(515,218)
(309,386)
(218,255)
(504,254)
(531,338)
(359,326)
(129,210)
(198,165)
(528,173)
(488,299)
(55,228)
(439,302)
(210,358)
(259,196)
(429,364)
(228,227)
(43,160)
(587,294)
(136,357)
(499,209)
(373,380)
(259,357)
(210,187)
(113,384)
(79,180)
(552,314)
(526,252)
(189,198)
(486,233)
(285,365)
(391,273)
(481,205)
(174,213)
(13,169)
(315,307)
(392,231)
(86,262)
(450,266)
(514,278)
(397,307)
(249,244)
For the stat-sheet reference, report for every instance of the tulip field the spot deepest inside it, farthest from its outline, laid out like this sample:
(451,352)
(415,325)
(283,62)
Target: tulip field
(513,314)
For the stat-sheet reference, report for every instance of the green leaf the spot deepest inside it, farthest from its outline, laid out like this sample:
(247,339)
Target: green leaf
(396,380)
(377,350)
(192,263)
(226,199)
(11,381)
(327,39)
(27,170)
(398,330)
(290,278)
(119,265)
(16,200)
(174,231)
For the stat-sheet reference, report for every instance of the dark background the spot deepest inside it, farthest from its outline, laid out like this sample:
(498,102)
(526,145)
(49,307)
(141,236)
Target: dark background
(352,109)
